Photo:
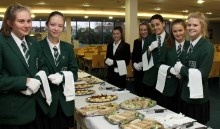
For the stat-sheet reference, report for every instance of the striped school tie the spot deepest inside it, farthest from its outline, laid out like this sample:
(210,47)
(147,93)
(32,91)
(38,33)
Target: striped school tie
(56,56)
(179,51)
(26,51)
(189,51)
(159,44)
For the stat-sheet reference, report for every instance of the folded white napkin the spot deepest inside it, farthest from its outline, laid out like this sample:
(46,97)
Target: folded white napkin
(122,69)
(46,88)
(147,65)
(195,84)
(68,86)
(161,77)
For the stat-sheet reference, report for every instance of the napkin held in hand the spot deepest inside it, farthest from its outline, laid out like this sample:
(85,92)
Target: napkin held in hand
(68,86)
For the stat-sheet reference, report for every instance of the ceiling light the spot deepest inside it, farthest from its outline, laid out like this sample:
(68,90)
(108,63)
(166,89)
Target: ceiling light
(1,15)
(86,16)
(110,17)
(86,4)
(41,3)
(209,13)
(170,20)
(157,8)
(32,16)
(185,11)
(200,1)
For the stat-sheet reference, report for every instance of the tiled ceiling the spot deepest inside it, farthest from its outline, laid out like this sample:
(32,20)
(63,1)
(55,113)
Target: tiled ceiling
(173,7)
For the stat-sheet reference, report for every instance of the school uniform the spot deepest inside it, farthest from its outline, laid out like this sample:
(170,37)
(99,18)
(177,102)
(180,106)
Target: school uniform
(150,75)
(18,110)
(61,111)
(200,58)
(121,53)
(169,57)
(136,58)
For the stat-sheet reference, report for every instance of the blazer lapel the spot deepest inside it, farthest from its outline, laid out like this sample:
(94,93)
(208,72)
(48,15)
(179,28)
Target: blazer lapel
(17,51)
(119,47)
(47,53)
(62,56)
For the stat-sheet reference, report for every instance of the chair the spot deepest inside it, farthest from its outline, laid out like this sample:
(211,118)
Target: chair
(129,75)
(215,71)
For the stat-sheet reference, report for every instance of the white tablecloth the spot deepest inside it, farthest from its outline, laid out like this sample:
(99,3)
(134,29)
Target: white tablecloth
(99,122)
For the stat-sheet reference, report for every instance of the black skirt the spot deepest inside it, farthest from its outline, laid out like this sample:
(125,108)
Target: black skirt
(60,120)
(40,122)
(199,112)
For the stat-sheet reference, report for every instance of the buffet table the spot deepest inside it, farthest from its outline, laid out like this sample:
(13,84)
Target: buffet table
(99,122)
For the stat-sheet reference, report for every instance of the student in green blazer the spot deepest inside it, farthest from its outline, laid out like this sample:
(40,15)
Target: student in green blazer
(22,106)
(171,52)
(151,44)
(58,56)
(199,58)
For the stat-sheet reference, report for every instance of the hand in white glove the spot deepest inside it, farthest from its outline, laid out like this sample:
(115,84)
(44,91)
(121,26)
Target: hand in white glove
(178,66)
(27,92)
(172,71)
(137,67)
(33,85)
(153,45)
(56,78)
(109,61)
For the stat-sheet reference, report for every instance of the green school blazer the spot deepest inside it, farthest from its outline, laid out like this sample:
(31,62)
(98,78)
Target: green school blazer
(169,57)
(201,58)
(17,108)
(67,60)
(150,76)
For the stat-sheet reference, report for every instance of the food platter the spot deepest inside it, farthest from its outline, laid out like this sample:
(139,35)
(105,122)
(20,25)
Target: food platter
(101,98)
(81,92)
(138,103)
(83,86)
(98,109)
(123,117)
(142,124)
(91,80)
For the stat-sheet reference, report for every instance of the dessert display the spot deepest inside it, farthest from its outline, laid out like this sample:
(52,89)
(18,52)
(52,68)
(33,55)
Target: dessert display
(142,124)
(98,109)
(83,86)
(91,80)
(101,98)
(138,103)
(123,117)
(80,92)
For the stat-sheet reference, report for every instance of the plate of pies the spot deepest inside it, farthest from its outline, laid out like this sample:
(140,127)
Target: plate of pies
(138,103)
(101,98)
(83,86)
(81,92)
(98,109)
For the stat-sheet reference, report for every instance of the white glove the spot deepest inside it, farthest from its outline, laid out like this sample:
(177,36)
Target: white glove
(33,85)
(178,66)
(56,78)
(172,71)
(137,67)
(109,61)
(27,92)
(153,45)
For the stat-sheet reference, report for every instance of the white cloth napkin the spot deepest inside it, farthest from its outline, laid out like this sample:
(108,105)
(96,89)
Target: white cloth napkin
(68,86)
(122,69)
(147,65)
(161,77)
(46,88)
(195,84)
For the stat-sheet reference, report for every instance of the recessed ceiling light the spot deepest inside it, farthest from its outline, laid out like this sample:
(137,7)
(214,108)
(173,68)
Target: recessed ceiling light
(86,16)
(185,11)
(41,3)
(157,8)
(110,17)
(86,4)
(170,20)
(1,15)
(209,13)
(32,16)
(200,1)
